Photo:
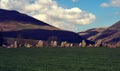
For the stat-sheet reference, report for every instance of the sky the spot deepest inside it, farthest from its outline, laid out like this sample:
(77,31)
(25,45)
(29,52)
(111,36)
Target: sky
(72,15)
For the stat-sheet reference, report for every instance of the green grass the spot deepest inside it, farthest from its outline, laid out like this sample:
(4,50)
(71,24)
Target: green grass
(60,59)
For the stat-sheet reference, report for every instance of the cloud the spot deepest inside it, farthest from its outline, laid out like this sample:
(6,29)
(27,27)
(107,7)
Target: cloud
(74,0)
(49,11)
(112,3)
(104,5)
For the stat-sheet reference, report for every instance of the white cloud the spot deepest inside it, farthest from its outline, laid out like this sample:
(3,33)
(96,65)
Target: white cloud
(74,0)
(49,11)
(104,5)
(112,3)
(3,3)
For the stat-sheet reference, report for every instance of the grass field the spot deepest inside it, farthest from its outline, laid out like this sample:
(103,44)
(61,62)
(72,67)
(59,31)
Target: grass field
(60,59)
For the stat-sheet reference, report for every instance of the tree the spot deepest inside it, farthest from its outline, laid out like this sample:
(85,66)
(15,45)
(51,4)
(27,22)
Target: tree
(52,38)
(19,40)
(1,38)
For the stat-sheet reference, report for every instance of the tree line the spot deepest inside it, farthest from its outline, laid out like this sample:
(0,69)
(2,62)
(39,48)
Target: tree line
(51,42)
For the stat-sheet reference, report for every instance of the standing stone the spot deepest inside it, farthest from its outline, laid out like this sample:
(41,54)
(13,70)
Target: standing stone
(71,45)
(55,44)
(80,44)
(98,43)
(90,45)
(15,44)
(67,45)
(51,43)
(28,45)
(83,44)
(62,44)
(39,44)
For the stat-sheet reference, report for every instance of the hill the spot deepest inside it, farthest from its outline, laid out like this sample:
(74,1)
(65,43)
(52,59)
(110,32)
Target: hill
(92,34)
(110,35)
(11,20)
(14,23)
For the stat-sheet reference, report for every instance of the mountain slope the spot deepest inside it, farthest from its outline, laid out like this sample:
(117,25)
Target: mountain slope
(107,35)
(12,20)
(14,23)
(11,15)
(111,34)
(92,34)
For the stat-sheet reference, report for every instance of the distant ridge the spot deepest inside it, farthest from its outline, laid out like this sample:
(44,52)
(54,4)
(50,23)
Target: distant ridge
(92,34)
(111,34)
(107,35)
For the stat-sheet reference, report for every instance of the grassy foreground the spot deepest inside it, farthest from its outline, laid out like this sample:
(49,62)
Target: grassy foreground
(60,59)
